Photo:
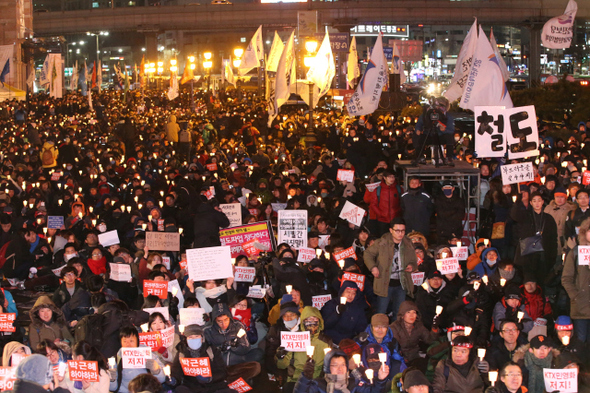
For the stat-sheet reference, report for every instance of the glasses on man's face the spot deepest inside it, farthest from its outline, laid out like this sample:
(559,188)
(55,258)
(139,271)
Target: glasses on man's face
(512,375)
(97,255)
(510,330)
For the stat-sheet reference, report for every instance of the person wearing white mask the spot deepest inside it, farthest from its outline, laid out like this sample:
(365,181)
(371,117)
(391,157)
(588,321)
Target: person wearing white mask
(489,258)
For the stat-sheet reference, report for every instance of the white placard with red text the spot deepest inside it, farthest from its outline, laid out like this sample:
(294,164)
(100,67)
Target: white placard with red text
(584,255)
(295,341)
(120,272)
(359,279)
(461,253)
(135,357)
(306,254)
(209,263)
(418,278)
(447,265)
(352,213)
(561,380)
(191,316)
(372,186)
(345,175)
(244,274)
(320,300)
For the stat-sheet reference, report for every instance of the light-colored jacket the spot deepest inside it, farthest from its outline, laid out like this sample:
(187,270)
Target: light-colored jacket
(575,278)
(172,129)
(559,214)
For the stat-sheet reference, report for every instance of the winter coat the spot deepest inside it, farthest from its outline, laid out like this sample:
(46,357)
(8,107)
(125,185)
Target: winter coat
(456,382)
(417,207)
(536,304)
(11,348)
(428,299)
(519,358)
(56,329)
(559,214)
(172,129)
(216,382)
(319,385)
(219,338)
(390,346)
(125,375)
(384,202)
(207,223)
(275,313)
(380,254)
(409,341)
(449,216)
(574,220)
(351,322)
(319,341)
(575,278)
(288,273)
(118,316)
(61,296)
(483,268)
(502,311)
(498,355)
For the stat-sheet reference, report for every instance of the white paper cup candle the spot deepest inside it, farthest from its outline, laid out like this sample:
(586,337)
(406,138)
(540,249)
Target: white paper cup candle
(519,315)
(181,329)
(485,279)
(318,252)
(486,242)
(167,370)
(458,244)
(476,285)
(369,374)
(310,350)
(112,362)
(493,376)
(288,288)
(145,327)
(341,263)
(481,353)
(468,330)
(241,333)
(382,357)
(356,358)
(565,340)
(326,350)
(502,281)
(342,300)
(439,309)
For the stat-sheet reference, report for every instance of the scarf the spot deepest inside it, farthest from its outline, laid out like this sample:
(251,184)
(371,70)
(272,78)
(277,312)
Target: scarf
(98,267)
(337,382)
(535,367)
(243,316)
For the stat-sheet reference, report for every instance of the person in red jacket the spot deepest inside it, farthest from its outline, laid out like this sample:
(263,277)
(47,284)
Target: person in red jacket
(536,304)
(384,204)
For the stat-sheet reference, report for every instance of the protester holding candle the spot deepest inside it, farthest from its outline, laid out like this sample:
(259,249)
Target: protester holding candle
(508,308)
(510,380)
(461,372)
(84,351)
(564,330)
(428,297)
(345,319)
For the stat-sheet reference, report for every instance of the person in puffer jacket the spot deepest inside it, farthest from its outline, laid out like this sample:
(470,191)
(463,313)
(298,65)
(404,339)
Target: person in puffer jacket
(345,320)
(338,379)
(488,265)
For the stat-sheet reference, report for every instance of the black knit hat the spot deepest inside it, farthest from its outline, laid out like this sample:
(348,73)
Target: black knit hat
(414,378)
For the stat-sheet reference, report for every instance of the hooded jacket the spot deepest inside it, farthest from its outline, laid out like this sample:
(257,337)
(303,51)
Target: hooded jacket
(389,345)
(474,259)
(456,382)
(409,341)
(576,279)
(484,268)
(56,329)
(221,338)
(351,322)
(319,341)
(11,348)
(172,129)
(216,382)
(503,311)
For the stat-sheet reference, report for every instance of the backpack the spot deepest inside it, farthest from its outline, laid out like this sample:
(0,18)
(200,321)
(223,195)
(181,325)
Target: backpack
(3,254)
(91,328)
(184,136)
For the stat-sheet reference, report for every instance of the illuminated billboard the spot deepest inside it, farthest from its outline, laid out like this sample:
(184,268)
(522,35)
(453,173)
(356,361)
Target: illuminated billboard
(401,31)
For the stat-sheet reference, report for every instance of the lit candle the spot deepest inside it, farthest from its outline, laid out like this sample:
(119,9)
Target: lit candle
(174,291)
(181,329)
(439,309)
(382,357)
(514,198)
(318,252)
(459,244)
(468,330)
(565,340)
(149,217)
(343,300)
(326,350)
(241,333)
(486,242)
(145,327)
(485,279)
(112,362)
(180,230)
(519,315)
(502,281)
(476,285)
(481,353)
(310,350)
(143,226)
(327,255)
(341,263)
(167,370)
(425,286)
(356,358)
(493,376)
(128,209)
(369,374)
(288,288)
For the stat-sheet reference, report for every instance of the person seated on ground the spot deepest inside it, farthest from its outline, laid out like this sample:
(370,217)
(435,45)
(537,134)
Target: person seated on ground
(48,322)
(509,308)
(13,347)
(55,352)
(288,322)
(536,304)
(565,328)
(121,377)
(409,332)
(68,287)
(412,380)
(533,358)
(311,320)
(379,333)
(338,379)
(505,345)
(440,349)
(194,345)
(570,361)
(241,311)
(489,262)
(462,372)
(345,320)
(294,296)
(34,374)
(210,293)
(145,383)
(158,323)
(510,380)
(507,271)
(84,351)
(431,294)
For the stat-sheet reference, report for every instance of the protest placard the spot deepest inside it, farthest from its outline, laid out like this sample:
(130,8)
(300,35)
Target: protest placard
(372,186)
(305,255)
(55,222)
(108,238)
(16,358)
(83,370)
(461,253)
(295,341)
(244,274)
(352,213)
(158,288)
(240,386)
(256,292)
(162,241)
(167,336)
(447,265)
(584,255)
(253,247)
(522,139)
(7,378)
(162,310)
(209,263)
(7,322)
(196,366)
(135,357)
(151,339)
(120,272)
(561,380)
(320,300)
(359,279)
(489,131)
(212,167)
(586,178)
(177,293)
(237,236)
(517,173)
(278,206)
(191,316)
(324,241)
(166,261)
(292,228)
(57,271)
(345,175)
(55,176)
(418,278)
(348,253)
(233,212)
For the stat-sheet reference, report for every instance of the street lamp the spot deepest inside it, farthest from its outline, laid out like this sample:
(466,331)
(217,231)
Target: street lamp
(207,64)
(173,67)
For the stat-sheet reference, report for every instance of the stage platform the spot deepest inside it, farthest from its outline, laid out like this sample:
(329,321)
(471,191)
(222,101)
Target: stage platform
(463,174)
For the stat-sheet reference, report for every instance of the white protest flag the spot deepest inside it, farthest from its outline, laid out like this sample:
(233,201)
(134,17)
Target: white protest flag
(99,76)
(559,31)
(501,63)
(253,54)
(229,74)
(463,65)
(31,78)
(74,78)
(283,78)
(275,53)
(365,99)
(353,71)
(45,76)
(323,68)
(485,85)
(57,76)
(90,99)
(173,90)
(397,65)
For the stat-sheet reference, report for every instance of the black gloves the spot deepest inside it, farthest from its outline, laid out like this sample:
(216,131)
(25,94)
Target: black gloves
(309,368)
(363,337)
(341,308)
(281,353)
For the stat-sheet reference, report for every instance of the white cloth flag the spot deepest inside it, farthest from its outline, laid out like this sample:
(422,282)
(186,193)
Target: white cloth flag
(463,65)
(501,63)
(99,76)
(74,78)
(173,90)
(559,31)
(323,69)
(90,99)
(283,79)
(229,74)
(45,76)
(254,53)
(365,99)
(353,71)
(484,84)
(275,53)
(397,65)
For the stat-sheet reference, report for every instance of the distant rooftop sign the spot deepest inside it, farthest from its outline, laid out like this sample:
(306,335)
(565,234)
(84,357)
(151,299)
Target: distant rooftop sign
(386,30)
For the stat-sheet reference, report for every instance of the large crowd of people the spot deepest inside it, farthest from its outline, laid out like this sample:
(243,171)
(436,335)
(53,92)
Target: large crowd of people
(75,170)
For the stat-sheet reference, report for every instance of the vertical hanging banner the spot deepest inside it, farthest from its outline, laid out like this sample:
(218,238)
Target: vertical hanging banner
(523,138)
(490,140)
(559,31)
(292,227)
